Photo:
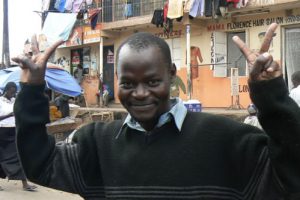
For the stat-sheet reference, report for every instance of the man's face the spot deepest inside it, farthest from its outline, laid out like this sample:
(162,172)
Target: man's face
(11,92)
(144,82)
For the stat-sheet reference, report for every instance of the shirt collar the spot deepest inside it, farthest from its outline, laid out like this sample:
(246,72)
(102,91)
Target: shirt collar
(177,112)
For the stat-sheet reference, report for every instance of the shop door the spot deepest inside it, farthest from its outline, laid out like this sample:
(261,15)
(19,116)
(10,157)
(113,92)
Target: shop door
(292,52)
(108,69)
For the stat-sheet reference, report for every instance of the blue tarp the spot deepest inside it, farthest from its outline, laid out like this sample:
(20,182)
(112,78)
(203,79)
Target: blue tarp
(56,79)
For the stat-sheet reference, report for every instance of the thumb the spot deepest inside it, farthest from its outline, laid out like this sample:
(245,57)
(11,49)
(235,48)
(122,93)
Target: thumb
(261,64)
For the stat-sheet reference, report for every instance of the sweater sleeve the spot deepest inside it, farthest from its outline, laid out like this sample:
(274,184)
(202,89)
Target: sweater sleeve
(57,165)
(279,116)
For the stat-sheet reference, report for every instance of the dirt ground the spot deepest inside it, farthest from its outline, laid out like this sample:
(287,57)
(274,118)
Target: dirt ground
(13,191)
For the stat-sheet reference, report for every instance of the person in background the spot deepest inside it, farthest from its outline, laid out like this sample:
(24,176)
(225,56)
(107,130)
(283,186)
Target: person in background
(62,103)
(252,118)
(162,150)
(78,73)
(10,165)
(295,92)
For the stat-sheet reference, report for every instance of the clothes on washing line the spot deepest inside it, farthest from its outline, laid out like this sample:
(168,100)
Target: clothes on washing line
(175,9)
(60,5)
(158,17)
(69,5)
(45,5)
(197,8)
(128,10)
(93,17)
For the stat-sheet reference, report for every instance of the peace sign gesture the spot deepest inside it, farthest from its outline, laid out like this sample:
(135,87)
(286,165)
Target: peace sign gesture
(261,64)
(34,66)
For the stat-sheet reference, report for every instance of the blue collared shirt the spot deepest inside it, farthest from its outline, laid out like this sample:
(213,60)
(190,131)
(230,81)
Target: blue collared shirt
(178,112)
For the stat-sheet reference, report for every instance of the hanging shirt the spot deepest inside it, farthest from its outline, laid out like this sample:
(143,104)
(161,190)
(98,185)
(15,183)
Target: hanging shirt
(6,107)
(197,8)
(45,5)
(69,5)
(187,5)
(76,5)
(158,18)
(175,9)
(60,5)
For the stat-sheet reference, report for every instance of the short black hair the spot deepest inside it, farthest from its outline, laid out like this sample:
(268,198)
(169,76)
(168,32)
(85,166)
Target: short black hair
(8,86)
(296,78)
(142,40)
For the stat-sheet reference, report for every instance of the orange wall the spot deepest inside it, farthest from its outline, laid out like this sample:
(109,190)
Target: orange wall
(213,91)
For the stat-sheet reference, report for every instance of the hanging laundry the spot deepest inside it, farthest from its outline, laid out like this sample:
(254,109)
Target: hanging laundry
(60,5)
(76,6)
(234,2)
(128,9)
(58,26)
(196,59)
(69,5)
(93,17)
(168,27)
(45,5)
(208,8)
(158,17)
(175,9)
(51,6)
(187,5)
(89,2)
(197,8)
(166,6)
(242,3)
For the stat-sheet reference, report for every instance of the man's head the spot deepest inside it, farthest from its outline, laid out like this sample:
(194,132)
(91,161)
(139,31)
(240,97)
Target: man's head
(145,73)
(10,90)
(296,79)
(252,110)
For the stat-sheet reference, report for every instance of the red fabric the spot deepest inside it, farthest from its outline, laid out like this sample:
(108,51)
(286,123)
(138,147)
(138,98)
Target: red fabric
(166,6)
(235,2)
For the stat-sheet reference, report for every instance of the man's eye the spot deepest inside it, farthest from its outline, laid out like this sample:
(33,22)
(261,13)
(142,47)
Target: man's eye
(153,83)
(127,85)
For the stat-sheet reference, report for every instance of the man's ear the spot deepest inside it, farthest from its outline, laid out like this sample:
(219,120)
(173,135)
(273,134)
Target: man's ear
(173,71)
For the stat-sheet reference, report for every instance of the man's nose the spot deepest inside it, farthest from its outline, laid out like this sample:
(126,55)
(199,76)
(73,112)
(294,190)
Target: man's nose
(140,91)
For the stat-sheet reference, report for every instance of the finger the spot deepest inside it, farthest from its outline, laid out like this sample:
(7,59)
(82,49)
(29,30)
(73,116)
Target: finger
(52,48)
(242,46)
(268,38)
(34,45)
(23,61)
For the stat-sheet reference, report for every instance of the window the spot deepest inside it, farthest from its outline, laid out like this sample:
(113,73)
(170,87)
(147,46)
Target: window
(226,55)
(176,53)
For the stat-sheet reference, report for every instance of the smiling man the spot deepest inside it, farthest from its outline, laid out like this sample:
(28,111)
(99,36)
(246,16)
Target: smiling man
(161,150)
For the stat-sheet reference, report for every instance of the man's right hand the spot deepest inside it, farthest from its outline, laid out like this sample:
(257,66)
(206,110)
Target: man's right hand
(34,66)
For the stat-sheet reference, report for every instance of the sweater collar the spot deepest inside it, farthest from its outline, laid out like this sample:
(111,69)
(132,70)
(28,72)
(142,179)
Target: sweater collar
(177,113)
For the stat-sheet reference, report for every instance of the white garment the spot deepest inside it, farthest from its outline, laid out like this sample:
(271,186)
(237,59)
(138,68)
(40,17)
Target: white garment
(295,94)
(7,107)
(252,120)
(58,26)
(175,9)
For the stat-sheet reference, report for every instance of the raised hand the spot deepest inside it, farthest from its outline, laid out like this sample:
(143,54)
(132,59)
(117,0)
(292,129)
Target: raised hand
(34,66)
(261,64)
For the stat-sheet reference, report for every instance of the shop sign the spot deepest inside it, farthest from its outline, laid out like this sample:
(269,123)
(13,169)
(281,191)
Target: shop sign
(254,23)
(91,35)
(173,34)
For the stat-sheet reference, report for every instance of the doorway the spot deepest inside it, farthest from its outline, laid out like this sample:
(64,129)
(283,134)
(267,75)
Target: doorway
(292,52)
(108,69)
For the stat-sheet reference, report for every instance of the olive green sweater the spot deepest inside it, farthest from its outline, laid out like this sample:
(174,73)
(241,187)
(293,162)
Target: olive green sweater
(212,157)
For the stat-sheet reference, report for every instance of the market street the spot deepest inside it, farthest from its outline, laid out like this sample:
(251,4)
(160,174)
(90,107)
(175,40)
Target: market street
(13,191)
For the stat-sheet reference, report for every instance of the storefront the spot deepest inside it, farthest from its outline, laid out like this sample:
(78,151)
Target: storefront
(219,72)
